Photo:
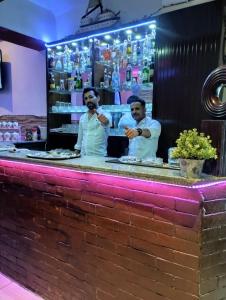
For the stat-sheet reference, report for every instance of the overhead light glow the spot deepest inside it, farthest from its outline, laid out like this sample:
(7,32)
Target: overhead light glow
(129,31)
(152,26)
(138,37)
(148,23)
(107,37)
(59,47)
(103,44)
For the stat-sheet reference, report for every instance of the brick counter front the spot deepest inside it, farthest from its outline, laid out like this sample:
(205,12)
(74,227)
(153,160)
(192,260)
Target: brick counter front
(70,234)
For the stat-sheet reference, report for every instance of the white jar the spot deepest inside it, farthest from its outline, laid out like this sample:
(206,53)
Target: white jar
(7,136)
(15,136)
(9,124)
(15,125)
(4,124)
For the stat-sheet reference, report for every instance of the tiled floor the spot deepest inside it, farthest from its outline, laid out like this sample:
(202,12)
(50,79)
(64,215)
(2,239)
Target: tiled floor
(10,290)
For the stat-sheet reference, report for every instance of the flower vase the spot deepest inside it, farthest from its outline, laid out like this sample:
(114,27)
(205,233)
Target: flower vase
(191,168)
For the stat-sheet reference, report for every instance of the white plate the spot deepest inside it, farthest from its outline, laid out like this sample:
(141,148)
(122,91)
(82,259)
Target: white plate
(129,159)
(49,156)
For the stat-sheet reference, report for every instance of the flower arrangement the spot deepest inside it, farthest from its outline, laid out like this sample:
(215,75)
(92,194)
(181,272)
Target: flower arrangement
(194,145)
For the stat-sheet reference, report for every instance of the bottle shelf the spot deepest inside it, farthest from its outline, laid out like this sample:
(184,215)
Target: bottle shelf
(60,92)
(123,108)
(58,71)
(63,131)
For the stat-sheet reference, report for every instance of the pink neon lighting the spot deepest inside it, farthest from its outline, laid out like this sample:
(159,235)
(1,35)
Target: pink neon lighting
(40,166)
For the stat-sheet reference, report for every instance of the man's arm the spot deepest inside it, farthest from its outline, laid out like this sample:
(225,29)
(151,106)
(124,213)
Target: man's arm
(133,132)
(105,119)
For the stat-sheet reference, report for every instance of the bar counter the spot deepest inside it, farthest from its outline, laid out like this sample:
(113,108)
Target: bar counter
(86,229)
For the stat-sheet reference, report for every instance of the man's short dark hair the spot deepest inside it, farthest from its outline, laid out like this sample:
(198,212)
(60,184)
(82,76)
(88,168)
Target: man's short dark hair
(135,98)
(88,89)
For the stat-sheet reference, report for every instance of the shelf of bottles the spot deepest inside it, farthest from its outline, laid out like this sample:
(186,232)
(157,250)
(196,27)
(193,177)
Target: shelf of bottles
(67,108)
(122,59)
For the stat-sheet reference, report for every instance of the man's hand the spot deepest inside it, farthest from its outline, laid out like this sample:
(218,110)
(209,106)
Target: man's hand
(131,132)
(102,118)
(77,152)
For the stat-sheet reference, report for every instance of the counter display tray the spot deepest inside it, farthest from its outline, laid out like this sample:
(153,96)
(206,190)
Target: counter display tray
(49,156)
(6,148)
(162,166)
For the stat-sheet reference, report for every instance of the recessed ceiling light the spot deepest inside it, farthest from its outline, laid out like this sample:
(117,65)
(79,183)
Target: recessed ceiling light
(138,37)
(129,31)
(107,37)
(152,26)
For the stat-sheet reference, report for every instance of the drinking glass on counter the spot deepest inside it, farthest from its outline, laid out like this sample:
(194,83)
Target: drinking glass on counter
(171,160)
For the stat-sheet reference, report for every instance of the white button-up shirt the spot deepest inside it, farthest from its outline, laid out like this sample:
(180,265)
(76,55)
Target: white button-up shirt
(127,121)
(92,134)
(142,147)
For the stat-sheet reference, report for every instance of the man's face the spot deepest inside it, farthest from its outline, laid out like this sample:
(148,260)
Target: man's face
(137,111)
(91,101)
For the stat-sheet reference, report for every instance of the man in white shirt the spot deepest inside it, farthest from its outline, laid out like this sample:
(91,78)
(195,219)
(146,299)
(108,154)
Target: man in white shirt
(143,139)
(94,126)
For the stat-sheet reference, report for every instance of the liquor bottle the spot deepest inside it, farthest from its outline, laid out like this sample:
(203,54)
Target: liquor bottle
(124,50)
(106,78)
(151,71)
(107,53)
(52,84)
(74,75)
(77,56)
(78,81)
(114,52)
(139,53)
(66,58)
(140,77)
(97,56)
(81,82)
(62,85)
(145,48)
(134,54)
(138,49)
(135,87)
(117,99)
(145,73)
(51,60)
(115,78)
(89,79)
(58,65)
(128,75)
(129,46)
(70,66)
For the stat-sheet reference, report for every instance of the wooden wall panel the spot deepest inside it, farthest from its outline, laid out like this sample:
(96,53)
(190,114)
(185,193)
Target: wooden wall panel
(188,45)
